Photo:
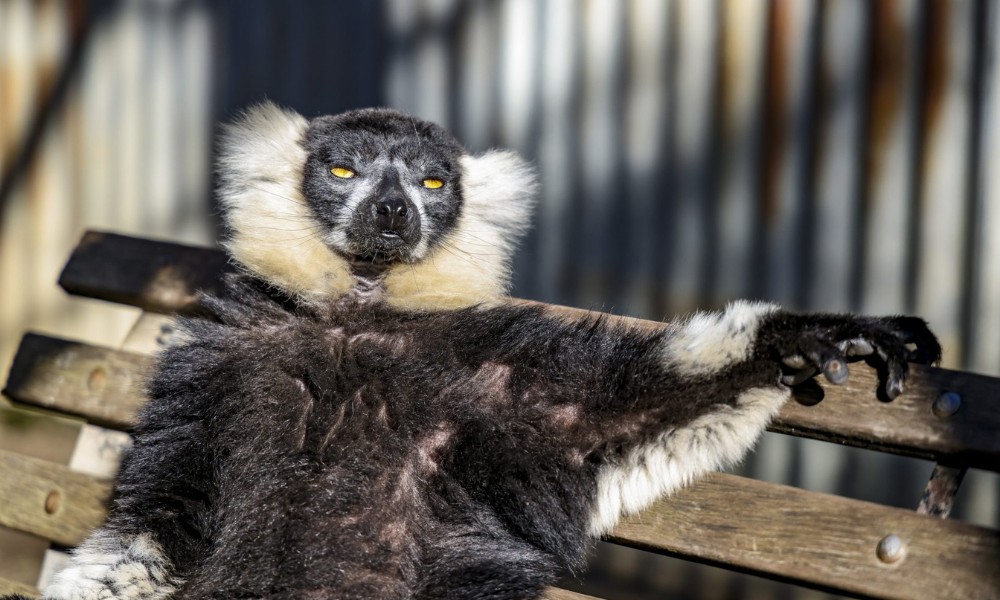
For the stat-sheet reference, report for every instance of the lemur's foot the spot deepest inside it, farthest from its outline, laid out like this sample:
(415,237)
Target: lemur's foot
(806,344)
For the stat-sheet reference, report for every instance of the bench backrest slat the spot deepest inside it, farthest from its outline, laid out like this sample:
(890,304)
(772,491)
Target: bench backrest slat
(155,276)
(102,385)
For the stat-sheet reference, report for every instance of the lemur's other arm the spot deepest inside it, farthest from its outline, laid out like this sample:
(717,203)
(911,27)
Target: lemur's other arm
(156,528)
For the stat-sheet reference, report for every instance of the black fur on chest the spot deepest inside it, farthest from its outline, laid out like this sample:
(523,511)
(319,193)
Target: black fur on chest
(358,436)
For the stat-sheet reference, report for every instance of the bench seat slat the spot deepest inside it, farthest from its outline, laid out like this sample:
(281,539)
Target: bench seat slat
(49,500)
(823,541)
(60,375)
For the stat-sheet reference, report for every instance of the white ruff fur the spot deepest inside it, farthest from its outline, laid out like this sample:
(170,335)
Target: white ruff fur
(710,342)
(261,169)
(709,443)
(108,567)
(705,344)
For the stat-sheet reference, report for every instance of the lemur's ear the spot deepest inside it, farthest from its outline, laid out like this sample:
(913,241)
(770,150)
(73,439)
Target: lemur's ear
(500,190)
(260,164)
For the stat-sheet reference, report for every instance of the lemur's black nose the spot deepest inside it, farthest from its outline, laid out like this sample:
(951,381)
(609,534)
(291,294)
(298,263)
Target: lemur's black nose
(392,215)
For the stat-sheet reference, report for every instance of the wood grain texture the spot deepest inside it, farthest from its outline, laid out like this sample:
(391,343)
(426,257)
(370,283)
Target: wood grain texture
(156,276)
(12,587)
(851,414)
(99,384)
(822,541)
(49,500)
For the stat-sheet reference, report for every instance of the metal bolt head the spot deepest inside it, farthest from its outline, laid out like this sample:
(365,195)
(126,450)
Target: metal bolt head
(947,404)
(890,549)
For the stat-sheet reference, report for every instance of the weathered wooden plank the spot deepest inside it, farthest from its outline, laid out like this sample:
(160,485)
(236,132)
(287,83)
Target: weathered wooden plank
(102,385)
(12,587)
(99,384)
(156,276)
(49,500)
(851,414)
(819,540)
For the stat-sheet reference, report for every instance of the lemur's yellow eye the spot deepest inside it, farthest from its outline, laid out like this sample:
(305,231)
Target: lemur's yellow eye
(433,184)
(342,172)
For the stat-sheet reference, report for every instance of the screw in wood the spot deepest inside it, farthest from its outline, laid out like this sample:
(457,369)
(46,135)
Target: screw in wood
(97,379)
(890,549)
(52,502)
(947,404)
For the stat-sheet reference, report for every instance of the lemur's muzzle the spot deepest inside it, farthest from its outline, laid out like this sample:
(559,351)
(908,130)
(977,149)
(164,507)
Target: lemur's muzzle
(391,224)
(393,215)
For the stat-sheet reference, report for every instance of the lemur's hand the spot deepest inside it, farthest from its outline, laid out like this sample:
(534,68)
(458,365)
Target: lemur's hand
(804,344)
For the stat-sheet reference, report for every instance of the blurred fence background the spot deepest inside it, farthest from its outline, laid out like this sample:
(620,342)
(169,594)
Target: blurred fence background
(832,155)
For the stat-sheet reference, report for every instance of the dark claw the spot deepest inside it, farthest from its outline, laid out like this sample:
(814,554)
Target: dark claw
(913,330)
(835,371)
(894,388)
(896,378)
(798,377)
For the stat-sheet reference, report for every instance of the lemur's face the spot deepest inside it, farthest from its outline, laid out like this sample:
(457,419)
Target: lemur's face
(386,187)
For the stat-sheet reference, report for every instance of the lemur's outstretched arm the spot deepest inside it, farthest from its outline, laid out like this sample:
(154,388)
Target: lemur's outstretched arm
(641,413)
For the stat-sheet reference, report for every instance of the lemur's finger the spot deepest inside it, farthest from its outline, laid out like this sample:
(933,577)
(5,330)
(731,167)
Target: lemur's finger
(830,359)
(926,349)
(856,347)
(799,376)
(795,361)
(835,370)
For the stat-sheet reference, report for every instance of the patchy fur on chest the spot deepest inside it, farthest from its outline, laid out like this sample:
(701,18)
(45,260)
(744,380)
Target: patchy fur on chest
(349,417)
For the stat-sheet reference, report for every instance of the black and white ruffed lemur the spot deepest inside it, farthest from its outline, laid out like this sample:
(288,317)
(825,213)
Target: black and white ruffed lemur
(364,415)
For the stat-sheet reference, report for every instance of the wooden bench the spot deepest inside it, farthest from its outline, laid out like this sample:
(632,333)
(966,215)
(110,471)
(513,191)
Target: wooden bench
(822,541)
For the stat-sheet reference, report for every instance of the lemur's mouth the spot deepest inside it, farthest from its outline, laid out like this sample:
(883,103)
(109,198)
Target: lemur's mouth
(383,250)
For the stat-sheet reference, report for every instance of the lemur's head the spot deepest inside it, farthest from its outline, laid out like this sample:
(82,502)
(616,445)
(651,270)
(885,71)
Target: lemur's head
(310,203)
(386,186)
